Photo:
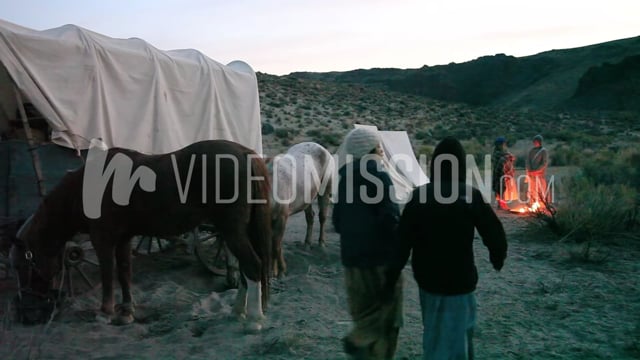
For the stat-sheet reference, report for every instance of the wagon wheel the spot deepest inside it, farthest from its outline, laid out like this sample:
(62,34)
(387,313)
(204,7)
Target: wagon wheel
(214,255)
(81,271)
(151,244)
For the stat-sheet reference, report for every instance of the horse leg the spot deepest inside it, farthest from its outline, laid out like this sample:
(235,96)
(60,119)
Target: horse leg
(308,215)
(240,305)
(254,305)
(125,311)
(278,228)
(104,252)
(233,270)
(323,207)
(251,269)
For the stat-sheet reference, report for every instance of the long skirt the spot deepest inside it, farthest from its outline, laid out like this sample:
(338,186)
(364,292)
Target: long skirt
(448,326)
(376,323)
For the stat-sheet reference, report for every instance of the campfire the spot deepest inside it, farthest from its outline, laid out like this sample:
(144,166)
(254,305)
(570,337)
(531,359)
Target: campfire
(534,208)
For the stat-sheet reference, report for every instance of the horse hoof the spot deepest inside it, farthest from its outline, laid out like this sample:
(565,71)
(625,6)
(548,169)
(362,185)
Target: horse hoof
(103,318)
(239,312)
(125,308)
(122,319)
(253,327)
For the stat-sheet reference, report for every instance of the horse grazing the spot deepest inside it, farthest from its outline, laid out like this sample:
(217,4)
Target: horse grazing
(216,181)
(304,173)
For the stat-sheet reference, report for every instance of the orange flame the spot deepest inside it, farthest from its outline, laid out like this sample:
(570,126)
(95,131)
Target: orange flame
(535,207)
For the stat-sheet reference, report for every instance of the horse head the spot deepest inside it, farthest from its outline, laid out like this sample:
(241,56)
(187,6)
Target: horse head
(35,253)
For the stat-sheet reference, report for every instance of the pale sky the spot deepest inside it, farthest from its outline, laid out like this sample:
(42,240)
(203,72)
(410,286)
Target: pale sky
(282,36)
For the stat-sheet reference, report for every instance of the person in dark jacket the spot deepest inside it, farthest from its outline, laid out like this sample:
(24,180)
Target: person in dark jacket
(437,229)
(366,218)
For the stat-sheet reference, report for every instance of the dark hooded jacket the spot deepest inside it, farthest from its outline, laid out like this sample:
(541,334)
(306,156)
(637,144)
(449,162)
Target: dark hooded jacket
(367,228)
(437,228)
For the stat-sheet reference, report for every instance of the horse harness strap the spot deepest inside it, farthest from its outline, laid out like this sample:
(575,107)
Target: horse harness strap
(28,256)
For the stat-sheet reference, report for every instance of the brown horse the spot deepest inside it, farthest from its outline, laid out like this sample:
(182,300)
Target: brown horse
(300,176)
(216,181)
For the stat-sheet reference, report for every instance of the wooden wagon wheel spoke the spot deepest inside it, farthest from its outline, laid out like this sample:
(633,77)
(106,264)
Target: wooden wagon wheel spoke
(77,264)
(140,242)
(90,262)
(139,245)
(207,237)
(210,253)
(85,277)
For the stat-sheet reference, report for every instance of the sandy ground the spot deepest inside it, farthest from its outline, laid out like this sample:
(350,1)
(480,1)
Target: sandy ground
(543,305)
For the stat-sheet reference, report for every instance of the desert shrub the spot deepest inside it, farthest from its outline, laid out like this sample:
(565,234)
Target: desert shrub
(562,135)
(477,149)
(426,150)
(285,141)
(330,139)
(275,104)
(563,155)
(281,133)
(314,133)
(609,167)
(285,133)
(593,211)
(423,134)
(439,131)
(267,128)
(462,133)
(599,203)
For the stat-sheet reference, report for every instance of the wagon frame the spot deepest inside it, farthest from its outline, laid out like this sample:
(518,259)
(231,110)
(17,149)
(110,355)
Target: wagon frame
(29,163)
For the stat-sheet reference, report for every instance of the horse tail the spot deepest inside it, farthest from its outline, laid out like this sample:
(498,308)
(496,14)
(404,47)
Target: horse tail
(260,223)
(328,174)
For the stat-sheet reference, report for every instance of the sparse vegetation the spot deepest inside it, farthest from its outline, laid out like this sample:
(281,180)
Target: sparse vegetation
(267,128)
(600,203)
(593,212)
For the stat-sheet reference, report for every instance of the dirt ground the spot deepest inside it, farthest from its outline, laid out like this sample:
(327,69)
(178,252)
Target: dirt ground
(544,304)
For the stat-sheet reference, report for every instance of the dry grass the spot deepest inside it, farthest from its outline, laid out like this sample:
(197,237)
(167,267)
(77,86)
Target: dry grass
(20,345)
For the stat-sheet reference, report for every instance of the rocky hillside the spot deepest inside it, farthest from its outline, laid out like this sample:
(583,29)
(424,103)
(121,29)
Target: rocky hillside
(610,86)
(298,109)
(543,81)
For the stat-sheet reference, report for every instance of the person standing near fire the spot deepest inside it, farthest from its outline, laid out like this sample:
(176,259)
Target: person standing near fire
(503,182)
(536,165)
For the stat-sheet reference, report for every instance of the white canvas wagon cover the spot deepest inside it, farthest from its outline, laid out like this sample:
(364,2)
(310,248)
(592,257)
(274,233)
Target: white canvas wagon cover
(126,92)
